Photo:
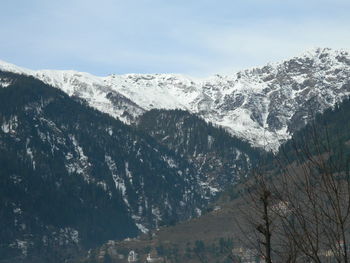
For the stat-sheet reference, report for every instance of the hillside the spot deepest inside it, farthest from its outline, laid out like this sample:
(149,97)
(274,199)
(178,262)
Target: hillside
(211,237)
(224,159)
(72,177)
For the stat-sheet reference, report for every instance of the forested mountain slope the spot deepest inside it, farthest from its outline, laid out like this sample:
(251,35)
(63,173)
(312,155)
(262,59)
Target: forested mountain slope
(74,177)
(211,237)
(224,159)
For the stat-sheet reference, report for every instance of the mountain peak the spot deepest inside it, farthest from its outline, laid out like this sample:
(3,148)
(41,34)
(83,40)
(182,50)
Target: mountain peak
(325,54)
(5,66)
(317,51)
(263,105)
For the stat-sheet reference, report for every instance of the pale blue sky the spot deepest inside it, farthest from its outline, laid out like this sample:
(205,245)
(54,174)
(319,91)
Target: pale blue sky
(195,37)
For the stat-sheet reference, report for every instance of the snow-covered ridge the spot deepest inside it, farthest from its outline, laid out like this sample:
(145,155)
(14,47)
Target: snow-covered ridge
(262,105)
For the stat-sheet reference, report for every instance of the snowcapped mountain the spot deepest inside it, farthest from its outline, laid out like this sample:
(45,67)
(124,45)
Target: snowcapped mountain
(74,177)
(261,105)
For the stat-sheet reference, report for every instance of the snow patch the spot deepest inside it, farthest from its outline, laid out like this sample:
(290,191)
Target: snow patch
(118,181)
(142,228)
(170,161)
(128,172)
(9,126)
(78,162)
(4,83)
(30,153)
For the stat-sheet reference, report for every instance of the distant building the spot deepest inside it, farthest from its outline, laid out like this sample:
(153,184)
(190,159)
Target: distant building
(154,258)
(217,208)
(132,256)
(247,255)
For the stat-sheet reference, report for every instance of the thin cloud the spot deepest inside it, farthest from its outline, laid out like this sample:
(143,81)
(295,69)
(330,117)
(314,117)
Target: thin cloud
(192,37)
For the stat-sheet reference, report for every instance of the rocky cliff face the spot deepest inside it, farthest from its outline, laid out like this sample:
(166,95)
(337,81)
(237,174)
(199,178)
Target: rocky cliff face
(262,105)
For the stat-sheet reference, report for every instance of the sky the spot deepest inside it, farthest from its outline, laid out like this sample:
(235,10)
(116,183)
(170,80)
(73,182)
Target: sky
(193,37)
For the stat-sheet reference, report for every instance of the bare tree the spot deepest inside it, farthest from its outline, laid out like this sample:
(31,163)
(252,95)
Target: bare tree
(315,190)
(298,208)
(255,219)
